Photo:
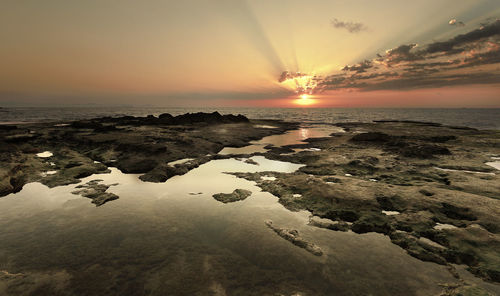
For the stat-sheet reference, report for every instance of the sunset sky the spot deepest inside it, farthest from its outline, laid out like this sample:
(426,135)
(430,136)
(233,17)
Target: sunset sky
(397,53)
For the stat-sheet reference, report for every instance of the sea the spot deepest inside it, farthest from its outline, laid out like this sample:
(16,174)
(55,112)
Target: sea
(476,118)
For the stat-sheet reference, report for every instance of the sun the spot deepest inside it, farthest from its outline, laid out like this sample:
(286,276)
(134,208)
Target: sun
(304,100)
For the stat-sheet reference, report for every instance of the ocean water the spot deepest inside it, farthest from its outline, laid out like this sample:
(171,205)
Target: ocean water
(477,118)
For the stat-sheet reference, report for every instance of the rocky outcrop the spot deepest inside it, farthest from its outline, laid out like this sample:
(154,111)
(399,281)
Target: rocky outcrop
(236,195)
(166,119)
(96,192)
(293,236)
(417,147)
(388,177)
(139,145)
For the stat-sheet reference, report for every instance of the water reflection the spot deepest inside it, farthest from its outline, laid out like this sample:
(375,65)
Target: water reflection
(157,239)
(289,138)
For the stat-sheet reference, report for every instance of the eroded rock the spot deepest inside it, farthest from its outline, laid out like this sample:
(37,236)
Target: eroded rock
(236,195)
(293,236)
(96,192)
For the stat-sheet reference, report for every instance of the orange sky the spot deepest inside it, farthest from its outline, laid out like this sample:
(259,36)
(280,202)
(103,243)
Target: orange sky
(221,52)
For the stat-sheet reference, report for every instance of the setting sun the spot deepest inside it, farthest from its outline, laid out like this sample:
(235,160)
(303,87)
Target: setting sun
(304,100)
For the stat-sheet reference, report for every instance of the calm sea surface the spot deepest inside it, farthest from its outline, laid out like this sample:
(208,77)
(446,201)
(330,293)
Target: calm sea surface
(478,118)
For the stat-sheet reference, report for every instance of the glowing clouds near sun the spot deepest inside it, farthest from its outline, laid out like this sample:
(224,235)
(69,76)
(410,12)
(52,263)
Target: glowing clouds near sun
(300,83)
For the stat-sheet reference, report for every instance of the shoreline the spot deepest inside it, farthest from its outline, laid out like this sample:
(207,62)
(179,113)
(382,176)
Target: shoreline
(373,177)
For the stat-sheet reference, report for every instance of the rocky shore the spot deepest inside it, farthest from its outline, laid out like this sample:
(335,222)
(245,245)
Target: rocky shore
(425,185)
(61,153)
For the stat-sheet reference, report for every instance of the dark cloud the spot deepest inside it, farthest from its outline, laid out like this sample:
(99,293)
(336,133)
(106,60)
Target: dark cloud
(400,54)
(424,81)
(456,43)
(285,75)
(352,27)
(464,59)
(359,68)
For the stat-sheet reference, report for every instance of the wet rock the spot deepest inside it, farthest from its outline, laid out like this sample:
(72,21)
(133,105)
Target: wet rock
(426,192)
(7,127)
(372,223)
(163,172)
(423,150)
(328,224)
(464,289)
(215,117)
(293,236)
(459,213)
(349,215)
(391,203)
(251,161)
(371,137)
(96,192)
(411,245)
(332,180)
(136,165)
(402,156)
(236,195)
(441,139)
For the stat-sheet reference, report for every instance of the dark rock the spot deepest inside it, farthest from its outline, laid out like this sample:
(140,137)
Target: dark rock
(442,139)
(424,151)
(7,127)
(459,213)
(136,165)
(293,236)
(328,224)
(251,161)
(343,214)
(371,137)
(372,223)
(391,203)
(236,195)
(426,192)
(96,192)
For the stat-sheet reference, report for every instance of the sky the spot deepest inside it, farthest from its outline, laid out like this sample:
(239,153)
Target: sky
(265,53)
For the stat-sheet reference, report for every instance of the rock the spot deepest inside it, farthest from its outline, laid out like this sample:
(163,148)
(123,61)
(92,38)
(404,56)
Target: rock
(371,137)
(328,224)
(391,203)
(372,223)
(96,192)
(236,195)
(423,150)
(402,157)
(139,145)
(426,192)
(136,165)
(293,236)
(7,127)
(251,161)
(458,213)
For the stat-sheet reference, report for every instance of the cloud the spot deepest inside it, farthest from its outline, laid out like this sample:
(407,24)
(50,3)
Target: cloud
(351,27)
(401,53)
(454,22)
(470,58)
(458,42)
(359,68)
